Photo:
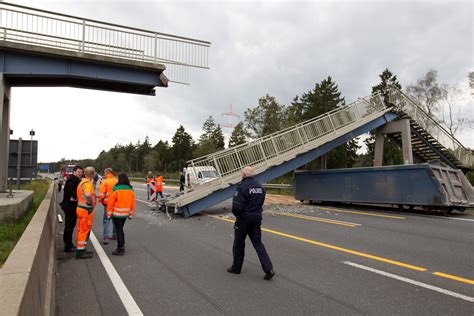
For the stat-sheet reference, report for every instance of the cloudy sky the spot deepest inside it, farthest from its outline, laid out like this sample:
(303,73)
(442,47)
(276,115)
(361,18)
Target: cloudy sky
(277,47)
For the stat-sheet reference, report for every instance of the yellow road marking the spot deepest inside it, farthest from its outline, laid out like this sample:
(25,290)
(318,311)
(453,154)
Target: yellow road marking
(317,243)
(453,277)
(324,220)
(362,213)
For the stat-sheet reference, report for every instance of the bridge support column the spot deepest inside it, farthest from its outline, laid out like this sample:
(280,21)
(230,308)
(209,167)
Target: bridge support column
(324,161)
(4,132)
(400,126)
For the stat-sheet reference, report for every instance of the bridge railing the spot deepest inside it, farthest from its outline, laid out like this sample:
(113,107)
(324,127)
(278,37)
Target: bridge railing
(261,151)
(435,129)
(60,31)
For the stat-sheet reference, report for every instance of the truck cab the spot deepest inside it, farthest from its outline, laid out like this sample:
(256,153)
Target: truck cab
(67,171)
(195,176)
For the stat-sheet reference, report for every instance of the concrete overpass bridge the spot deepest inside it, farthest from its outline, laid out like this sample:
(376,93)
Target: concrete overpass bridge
(41,48)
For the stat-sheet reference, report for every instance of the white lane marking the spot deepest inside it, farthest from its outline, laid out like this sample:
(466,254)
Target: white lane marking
(125,296)
(424,285)
(139,189)
(440,217)
(146,202)
(463,219)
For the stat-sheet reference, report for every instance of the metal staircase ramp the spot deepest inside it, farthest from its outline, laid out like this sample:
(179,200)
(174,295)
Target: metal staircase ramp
(430,139)
(293,146)
(36,30)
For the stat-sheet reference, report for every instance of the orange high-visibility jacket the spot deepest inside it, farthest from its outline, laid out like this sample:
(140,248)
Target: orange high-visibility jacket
(85,186)
(150,179)
(121,202)
(159,184)
(106,188)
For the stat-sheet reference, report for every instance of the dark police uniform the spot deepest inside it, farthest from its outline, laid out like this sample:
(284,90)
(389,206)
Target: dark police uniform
(247,207)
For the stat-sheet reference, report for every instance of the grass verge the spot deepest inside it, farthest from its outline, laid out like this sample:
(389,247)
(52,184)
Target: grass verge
(11,231)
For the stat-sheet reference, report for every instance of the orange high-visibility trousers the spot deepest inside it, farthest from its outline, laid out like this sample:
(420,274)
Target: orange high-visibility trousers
(84,225)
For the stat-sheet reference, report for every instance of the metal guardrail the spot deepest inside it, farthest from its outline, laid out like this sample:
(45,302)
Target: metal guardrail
(278,186)
(164,180)
(37,27)
(405,104)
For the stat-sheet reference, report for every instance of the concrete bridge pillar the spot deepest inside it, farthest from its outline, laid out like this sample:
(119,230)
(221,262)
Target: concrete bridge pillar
(400,126)
(4,131)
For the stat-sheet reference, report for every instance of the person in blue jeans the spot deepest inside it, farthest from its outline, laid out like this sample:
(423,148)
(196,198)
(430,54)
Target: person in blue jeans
(104,193)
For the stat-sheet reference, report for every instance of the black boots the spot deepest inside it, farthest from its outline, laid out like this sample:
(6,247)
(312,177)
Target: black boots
(231,270)
(69,249)
(269,275)
(119,252)
(84,256)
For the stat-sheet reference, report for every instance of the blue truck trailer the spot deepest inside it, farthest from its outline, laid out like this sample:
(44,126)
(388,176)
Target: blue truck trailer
(431,186)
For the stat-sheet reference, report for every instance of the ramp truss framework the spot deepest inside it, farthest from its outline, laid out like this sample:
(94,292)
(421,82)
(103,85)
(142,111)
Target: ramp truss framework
(407,106)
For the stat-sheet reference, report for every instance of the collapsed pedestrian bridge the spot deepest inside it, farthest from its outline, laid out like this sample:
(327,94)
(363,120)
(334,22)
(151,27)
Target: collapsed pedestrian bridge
(276,154)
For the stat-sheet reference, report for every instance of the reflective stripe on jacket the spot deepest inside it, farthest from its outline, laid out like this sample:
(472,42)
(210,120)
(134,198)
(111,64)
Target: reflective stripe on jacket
(121,202)
(85,186)
(106,188)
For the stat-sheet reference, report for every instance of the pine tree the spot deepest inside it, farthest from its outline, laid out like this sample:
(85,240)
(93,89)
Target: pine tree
(266,118)
(392,151)
(183,145)
(387,80)
(162,155)
(208,127)
(323,98)
(217,137)
(211,140)
(238,135)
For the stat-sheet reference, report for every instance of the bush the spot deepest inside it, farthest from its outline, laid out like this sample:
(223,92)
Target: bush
(470,176)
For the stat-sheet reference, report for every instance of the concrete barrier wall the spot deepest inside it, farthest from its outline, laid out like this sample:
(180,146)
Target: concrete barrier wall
(27,280)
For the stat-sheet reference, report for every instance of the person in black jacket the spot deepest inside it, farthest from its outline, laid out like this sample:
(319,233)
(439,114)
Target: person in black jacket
(69,205)
(247,208)
(182,181)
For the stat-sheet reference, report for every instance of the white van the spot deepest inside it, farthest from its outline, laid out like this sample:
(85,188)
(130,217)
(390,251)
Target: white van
(198,175)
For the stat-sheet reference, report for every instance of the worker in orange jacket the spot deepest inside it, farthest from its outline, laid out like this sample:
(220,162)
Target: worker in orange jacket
(120,207)
(86,201)
(104,192)
(159,186)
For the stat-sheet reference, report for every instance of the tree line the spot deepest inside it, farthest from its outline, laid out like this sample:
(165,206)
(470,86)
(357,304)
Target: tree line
(440,101)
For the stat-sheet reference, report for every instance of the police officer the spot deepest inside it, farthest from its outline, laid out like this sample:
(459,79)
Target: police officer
(247,208)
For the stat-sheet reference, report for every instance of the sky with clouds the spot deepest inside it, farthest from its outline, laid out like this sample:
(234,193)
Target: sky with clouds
(257,47)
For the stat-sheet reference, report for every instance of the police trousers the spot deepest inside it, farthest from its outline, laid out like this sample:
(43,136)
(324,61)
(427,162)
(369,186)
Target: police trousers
(249,225)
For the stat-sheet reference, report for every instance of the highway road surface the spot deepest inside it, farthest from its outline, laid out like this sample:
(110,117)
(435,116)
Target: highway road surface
(328,261)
